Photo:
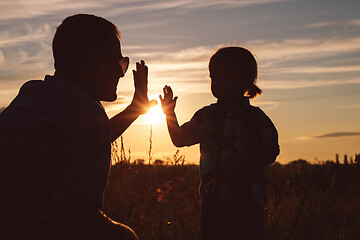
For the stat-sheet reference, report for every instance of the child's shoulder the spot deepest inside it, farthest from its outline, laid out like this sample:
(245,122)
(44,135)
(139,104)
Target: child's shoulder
(213,107)
(261,117)
(207,112)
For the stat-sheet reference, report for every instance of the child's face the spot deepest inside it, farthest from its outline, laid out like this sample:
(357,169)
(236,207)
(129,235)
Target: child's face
(225,83)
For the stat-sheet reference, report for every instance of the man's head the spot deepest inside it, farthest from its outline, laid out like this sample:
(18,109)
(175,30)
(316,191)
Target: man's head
(87,47)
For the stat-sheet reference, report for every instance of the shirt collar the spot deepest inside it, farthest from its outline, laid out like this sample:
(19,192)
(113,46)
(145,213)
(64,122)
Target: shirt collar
(67,81)
(241,102)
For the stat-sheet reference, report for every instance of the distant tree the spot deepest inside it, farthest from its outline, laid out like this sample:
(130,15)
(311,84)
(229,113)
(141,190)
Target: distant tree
(139,161)
(329,162)
(159,162)
(299,162)
(345,159)
(337,158)
(351,160)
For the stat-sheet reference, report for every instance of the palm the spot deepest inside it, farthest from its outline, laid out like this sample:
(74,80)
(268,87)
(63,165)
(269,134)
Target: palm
(168,103)
(141,100)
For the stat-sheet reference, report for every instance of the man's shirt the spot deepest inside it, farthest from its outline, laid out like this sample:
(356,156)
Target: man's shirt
(54,145)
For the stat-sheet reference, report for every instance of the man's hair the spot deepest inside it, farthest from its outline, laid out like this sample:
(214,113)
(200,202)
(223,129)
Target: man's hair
(79,37)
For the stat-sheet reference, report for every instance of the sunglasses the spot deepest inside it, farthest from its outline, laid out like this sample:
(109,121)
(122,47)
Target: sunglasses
(124,64)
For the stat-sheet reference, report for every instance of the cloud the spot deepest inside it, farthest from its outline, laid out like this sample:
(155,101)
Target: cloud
(25,34)
(150,6)
(304,49)
(337,134)
(316,69)
(332,135)
(190,64)
(2,58)
(354,22)
(24,9)
(30,64)
(350,106)
(117,106)
(293,84)
(266,105)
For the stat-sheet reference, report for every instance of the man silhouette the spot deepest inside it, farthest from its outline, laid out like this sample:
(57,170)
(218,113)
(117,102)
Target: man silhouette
(55,138)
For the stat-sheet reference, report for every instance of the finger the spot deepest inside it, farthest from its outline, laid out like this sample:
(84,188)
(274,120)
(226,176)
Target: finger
(142,62)
(170,92)
(153,103)
(166,90)
(161,99)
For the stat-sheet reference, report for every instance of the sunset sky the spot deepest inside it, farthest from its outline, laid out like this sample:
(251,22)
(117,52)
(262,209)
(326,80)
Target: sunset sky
(308,54)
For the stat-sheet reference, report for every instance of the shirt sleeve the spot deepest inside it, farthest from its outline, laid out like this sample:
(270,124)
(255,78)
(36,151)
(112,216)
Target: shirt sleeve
(268,139)
(192,129)
(83,153)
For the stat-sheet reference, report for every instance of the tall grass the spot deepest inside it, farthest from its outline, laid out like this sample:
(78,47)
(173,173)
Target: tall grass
(304,201)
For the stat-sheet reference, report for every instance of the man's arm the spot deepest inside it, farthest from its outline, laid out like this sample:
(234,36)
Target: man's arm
(178,135)
(139,105)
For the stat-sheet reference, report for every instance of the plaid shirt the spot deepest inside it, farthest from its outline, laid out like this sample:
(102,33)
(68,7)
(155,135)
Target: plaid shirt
(54,144)
(236,142)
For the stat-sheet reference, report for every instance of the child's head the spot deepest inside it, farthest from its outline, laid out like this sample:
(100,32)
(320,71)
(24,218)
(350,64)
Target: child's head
(233,73)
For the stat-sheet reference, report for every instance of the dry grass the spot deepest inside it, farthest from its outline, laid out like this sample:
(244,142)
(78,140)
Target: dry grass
(304,201)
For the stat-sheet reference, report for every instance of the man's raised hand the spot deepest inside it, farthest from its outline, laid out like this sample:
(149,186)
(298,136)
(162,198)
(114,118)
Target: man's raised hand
(140,102)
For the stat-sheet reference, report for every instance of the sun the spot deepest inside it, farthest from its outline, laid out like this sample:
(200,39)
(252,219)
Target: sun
(155,115)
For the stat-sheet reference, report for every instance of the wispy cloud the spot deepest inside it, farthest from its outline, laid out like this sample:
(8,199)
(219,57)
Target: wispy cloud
(25,34)
(117,106)
(337,134)
(266,105)
(22,9)
(292,84)
(316,69)
(149,6)
(303,48)
(30,63)
(350,106)
(331,135)
(354,22)
(191,64)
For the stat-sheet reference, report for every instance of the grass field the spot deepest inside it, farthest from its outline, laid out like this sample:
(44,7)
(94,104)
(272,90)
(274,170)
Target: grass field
(305,201)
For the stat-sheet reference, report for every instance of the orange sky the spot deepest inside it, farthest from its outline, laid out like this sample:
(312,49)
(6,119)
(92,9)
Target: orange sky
(308,54)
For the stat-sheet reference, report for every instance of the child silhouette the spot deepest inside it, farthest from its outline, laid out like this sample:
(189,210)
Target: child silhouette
(236,141)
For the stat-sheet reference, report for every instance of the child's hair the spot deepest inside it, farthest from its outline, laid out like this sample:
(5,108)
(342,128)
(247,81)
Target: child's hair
(241,62)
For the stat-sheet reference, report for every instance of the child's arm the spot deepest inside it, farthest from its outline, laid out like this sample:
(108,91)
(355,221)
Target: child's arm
(168,103)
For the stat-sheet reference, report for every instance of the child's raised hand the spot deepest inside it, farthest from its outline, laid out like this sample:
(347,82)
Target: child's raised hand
(168,103)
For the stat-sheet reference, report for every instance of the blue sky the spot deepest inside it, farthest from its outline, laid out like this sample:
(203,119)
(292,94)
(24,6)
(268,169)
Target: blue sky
(308,54)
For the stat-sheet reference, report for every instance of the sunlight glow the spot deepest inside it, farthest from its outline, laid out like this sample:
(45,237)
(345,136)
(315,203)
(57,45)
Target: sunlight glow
(155,115)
